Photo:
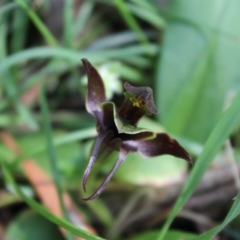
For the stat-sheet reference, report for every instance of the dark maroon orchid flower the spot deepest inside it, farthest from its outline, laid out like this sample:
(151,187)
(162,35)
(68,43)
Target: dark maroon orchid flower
(117,130)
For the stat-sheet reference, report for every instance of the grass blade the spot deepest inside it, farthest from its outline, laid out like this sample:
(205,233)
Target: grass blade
(83,17)
(233,213)
(20,28)
(151,17)
(130,20)
(52,154)
(226,124)
(118,40)
(47,35)
(43,211)
(74,57)
(68,23)
(7,80)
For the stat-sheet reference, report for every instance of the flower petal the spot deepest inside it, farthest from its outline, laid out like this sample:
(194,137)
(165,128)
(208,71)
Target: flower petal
(145,93)
(95,91)
(122,156)
(108,116)
(160,145)
(111,114)
(97,146)
(130,112)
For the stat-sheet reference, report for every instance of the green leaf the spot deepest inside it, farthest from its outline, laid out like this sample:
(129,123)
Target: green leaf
(157,171)
(201,46)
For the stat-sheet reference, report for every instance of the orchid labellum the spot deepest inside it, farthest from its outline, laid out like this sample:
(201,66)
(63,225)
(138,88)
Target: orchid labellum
(117,128)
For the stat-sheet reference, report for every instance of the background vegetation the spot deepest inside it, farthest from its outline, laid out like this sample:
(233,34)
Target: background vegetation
(187,51)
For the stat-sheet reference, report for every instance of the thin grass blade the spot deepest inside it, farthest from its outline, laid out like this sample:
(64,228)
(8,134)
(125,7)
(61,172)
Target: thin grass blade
(47,35)
(43,211)
(226,124)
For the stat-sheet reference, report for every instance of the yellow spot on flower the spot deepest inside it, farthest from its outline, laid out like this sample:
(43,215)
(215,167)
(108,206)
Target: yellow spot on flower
(138,102)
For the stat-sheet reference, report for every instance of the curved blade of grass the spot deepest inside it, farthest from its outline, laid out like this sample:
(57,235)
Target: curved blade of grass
(119,39)
(59,66)
(47,35)
(130,20)
(52,154)
(7,79)
(151,17)
(73,57)
(233,213)
(43,211)
(226,124)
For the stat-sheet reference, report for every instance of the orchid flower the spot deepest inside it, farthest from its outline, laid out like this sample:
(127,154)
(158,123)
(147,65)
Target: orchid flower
(117,130)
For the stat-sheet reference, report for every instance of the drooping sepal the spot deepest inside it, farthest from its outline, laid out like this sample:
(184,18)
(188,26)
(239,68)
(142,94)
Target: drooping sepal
(99,143)
(122,156)
(160,145)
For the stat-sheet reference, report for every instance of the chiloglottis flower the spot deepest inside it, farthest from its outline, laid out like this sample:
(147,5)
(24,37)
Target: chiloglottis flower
(117,128)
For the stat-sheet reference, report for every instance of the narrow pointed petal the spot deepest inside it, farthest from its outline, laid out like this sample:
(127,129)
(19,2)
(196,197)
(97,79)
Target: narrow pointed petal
(160,145)
(95,90)
(108,148)
(122,156)
(97,146)
(145,93)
